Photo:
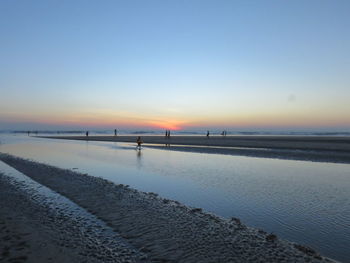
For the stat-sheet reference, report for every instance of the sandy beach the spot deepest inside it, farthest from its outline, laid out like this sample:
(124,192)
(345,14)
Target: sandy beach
(143,227)
(311,148)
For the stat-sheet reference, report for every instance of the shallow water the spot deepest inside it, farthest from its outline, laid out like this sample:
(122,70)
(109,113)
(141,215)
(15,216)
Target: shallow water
(304,202)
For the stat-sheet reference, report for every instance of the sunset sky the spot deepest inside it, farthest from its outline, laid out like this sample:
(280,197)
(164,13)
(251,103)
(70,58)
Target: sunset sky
(177,64)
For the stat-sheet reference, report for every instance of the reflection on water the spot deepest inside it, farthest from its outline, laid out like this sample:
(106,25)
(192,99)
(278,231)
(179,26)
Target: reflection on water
(305,202)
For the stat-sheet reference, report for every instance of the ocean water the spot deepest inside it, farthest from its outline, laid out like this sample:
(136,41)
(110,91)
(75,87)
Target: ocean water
(304,202)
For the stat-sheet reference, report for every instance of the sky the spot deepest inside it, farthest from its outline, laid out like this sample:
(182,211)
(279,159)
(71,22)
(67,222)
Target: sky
(175,64)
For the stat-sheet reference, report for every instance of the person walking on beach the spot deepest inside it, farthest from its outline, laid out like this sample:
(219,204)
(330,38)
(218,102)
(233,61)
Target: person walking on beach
(87,133)
(168,134)
(207,134)
(139,142)
(115,132)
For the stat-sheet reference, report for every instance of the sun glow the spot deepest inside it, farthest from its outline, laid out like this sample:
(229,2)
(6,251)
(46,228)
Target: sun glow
(169,125)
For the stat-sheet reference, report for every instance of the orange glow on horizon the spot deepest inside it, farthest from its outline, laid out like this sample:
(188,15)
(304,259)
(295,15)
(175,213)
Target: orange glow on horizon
(103,121)
(167,124)
(109,119)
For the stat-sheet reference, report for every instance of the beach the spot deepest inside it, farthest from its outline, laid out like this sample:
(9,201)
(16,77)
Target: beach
(334,149)
(174,131)
(148,228)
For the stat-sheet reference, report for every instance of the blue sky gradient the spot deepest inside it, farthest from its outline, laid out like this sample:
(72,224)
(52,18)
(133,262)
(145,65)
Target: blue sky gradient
(175,64)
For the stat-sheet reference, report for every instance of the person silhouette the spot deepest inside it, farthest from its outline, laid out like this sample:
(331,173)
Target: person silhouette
(207,134)
(87,133)
(139,142)
(115,132)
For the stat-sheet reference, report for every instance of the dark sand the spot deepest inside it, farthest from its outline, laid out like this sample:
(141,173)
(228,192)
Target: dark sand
(311,148)
(163,230)
(38,225)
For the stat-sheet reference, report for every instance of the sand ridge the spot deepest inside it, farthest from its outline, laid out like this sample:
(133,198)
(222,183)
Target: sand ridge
(312,148)
(38,225)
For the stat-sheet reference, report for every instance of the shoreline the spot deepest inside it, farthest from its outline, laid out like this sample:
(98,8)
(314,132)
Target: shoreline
(164,230)
(304,148)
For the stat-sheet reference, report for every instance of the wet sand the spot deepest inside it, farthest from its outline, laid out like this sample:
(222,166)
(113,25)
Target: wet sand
(310,148)
(38,225)
(163,230)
